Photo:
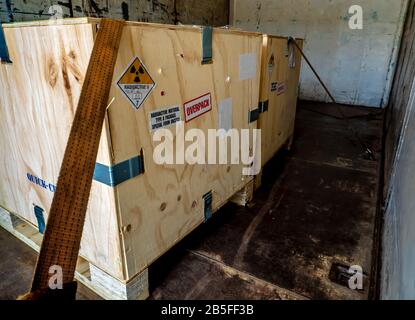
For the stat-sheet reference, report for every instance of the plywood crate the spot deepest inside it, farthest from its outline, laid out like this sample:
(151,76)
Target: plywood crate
(280,73)
(131,223)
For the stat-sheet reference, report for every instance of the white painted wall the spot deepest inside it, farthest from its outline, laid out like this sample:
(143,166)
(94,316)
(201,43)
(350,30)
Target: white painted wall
(357,65)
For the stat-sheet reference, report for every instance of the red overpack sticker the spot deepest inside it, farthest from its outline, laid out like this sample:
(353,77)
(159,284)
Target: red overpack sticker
(196,107)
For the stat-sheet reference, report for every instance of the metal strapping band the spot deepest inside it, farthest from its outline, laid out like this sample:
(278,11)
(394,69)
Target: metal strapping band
(208,205)
(119,173)
(207,51)
(4,51)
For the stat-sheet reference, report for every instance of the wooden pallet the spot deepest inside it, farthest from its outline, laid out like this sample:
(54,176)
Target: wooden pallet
(87,273)
(244,196)
(90,275)
(258,181)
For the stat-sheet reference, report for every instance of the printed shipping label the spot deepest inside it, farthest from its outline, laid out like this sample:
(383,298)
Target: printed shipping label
(136,83)
(164,117)
(196,107)
(41,183)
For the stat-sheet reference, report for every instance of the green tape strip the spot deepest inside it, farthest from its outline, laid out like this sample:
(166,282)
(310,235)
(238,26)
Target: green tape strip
(115,175)
(207,198)
(207,51)
(4,52)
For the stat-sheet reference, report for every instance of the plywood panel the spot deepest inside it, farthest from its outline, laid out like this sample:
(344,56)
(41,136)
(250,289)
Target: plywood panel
(40,92)
(277,124)
(162,206)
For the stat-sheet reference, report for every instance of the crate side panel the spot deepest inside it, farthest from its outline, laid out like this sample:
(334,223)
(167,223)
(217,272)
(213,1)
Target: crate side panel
(277,124)
(164,204)
(39,96)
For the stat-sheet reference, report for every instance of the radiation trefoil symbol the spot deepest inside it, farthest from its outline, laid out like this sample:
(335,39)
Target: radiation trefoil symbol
(136,83)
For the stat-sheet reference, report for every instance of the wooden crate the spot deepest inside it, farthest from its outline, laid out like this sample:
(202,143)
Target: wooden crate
(278,95)
(131,224)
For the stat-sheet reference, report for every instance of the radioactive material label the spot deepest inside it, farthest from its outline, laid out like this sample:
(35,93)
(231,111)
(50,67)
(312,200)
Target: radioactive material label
(136,83)
(164,117)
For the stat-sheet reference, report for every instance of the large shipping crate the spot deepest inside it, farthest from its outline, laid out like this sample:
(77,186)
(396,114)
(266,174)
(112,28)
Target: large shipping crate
(280,73)
(164,76)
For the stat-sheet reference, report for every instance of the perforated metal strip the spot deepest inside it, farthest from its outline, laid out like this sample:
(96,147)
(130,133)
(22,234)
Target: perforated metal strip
(66,218)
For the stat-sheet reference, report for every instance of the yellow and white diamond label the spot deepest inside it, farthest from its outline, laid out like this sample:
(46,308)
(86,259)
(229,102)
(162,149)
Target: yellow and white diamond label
(136,83)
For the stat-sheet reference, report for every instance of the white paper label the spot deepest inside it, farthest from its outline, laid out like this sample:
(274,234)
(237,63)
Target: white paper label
(164,117)
(225,114)
(247,66)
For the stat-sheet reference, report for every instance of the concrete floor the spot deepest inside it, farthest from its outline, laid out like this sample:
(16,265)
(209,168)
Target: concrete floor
(317,206)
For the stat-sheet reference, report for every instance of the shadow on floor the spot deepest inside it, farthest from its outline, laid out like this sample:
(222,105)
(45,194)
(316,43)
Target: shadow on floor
(317,206)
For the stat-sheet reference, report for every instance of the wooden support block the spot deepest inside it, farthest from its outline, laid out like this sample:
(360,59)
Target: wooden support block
(258,181)
(6,220)
(111,288)
(245,196)
(91,276)
(21,229)
(288,144)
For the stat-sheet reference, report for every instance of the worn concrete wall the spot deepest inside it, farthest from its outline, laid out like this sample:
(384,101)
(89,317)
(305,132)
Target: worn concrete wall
(398,263)
(213,12)
(27,10)
(357,65)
